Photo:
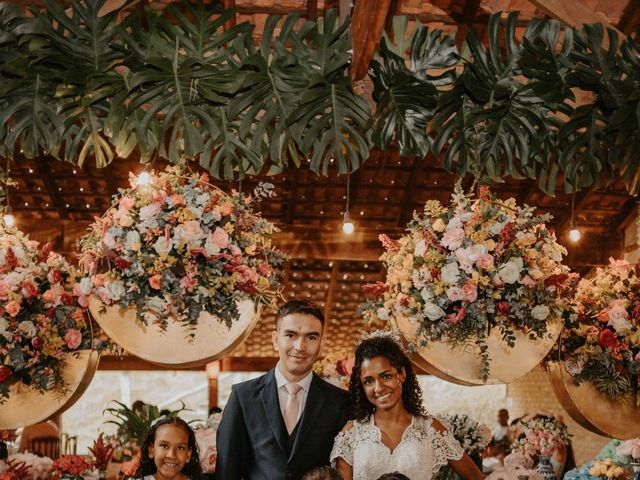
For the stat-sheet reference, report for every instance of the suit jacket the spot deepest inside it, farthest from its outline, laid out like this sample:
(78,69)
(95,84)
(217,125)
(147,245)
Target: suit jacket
(252,440)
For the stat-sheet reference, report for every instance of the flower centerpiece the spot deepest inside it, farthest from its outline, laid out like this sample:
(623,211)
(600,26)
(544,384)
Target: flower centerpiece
(543,435)
(601,341)
(474,437)
(179,246)
(336,368)
(70,466)
(40,318)
(474,266)
(206,440)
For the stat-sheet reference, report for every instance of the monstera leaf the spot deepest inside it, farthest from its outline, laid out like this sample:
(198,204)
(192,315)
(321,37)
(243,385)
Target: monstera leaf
(274,79)
(329,122)
(492,123)
(584,139)
(183,86)
(406,97)
(81,49)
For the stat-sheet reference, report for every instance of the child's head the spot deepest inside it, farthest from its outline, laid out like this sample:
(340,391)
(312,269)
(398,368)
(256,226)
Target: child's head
(393,476)
(169,450)
(322,473)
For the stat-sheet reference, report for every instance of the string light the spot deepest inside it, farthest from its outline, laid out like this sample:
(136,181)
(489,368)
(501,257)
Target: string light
(574,233)
(347,225)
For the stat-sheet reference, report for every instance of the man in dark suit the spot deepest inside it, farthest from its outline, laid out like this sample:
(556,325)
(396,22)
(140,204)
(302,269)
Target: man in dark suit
(282,424)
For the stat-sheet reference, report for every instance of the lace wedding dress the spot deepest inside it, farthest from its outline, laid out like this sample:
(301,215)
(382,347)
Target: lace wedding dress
(419,455)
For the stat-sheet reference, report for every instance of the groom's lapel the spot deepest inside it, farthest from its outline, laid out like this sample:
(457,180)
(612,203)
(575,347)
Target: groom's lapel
(312,410)
(271,405)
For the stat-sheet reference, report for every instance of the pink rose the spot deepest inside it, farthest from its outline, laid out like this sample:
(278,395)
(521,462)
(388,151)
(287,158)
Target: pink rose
(126,203)
(618,313)
(156,281)
(527,281)
(452,238)
(73,338)
(29,289)
(455,293)
(158,196)
(4,290)
(52,296)
(220,238)
(177,199)
(54,276)
(13,308)
(226,209)
(235,250)
(470,292)
(485,261)
(188,283)
(98,280)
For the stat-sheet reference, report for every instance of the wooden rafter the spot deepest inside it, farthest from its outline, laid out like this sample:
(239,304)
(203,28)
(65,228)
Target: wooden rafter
(469,14)
(312,9)
(628,213)
(406,207)
(366,28)
(233,20)
(333,283)
(47,177)
(574,14)
(630,17)
(578,203)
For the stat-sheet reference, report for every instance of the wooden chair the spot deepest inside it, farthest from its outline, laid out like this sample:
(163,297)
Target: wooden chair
(45,447)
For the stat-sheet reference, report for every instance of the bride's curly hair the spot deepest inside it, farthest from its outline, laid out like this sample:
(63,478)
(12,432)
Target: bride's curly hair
(384,347)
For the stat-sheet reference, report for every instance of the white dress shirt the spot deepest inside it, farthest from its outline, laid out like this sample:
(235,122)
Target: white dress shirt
(305,383)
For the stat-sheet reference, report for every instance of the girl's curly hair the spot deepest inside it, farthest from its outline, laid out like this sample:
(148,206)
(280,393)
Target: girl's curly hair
(384,347)
(148,466)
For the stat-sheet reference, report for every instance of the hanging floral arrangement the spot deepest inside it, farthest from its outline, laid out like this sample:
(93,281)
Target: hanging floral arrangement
(336,368)
(471,267)
(601,341)
(178,246)
(40,318)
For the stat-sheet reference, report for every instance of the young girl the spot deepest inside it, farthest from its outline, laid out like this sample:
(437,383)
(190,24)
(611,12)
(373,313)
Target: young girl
(169,452)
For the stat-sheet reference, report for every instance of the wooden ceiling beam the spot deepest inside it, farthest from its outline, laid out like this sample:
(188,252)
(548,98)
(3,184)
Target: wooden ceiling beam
(469,14)
(47,177)
(312,9)
(630,17)
(367,25)
(333,284)
(575,14)
(231,4)
(406,207)
(563,221)
(627,214)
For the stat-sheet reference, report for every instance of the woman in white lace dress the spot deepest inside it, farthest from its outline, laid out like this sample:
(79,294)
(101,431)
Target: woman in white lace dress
(391,432)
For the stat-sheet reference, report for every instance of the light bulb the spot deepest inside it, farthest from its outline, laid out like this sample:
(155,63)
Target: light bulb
(7,217)
(143,179)
(347,224)
(574,234)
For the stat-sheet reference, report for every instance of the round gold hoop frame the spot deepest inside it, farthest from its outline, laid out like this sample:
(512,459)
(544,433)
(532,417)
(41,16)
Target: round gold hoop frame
(26,406)
(176,346)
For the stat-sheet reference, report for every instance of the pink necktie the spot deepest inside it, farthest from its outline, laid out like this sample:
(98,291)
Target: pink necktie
(292,407)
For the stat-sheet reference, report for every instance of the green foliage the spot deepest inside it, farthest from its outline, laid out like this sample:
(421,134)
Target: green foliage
(181,86)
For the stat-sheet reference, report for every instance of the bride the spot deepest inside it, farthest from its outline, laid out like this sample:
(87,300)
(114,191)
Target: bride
(391,431)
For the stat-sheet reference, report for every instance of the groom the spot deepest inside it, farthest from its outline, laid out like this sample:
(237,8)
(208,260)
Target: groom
(282,424)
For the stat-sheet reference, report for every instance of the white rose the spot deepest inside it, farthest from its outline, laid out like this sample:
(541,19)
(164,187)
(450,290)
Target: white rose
(540,312)
(156,304)
(132,241)
(382,313)
(620,325)
(4,329)
(116,290)
(27,328)
(450,273)
(432,311)
(109,240)
(210,247)
(163,246)
(426,294)
(420,248)
(510,271)
(86,284)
